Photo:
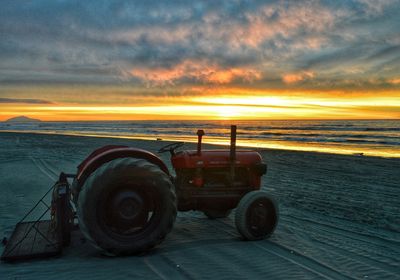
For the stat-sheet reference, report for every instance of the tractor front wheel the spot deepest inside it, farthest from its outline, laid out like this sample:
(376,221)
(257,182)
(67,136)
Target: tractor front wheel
(256,215)
(126,206)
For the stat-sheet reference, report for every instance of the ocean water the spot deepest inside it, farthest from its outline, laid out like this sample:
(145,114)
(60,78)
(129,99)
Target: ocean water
(361,137)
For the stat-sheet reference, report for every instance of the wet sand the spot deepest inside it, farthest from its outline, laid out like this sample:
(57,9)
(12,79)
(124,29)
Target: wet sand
(339,219)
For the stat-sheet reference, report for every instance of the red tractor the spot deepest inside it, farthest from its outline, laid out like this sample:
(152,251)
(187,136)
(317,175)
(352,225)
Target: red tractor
(126,200)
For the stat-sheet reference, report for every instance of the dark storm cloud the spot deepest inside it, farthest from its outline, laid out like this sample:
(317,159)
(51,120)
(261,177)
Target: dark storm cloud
(259,43)
(24,101)
(391,52)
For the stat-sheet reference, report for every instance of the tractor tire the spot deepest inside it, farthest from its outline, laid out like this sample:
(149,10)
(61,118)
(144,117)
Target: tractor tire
(216,213)
(126,206)
(256,215)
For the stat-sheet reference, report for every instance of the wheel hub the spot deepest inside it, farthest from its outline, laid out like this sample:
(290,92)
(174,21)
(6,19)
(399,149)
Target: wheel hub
(258,218)
(260,213)
(126,206)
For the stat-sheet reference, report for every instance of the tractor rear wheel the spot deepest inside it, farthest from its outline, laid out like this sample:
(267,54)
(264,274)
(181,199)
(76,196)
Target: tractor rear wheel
(256,215)
(126,206)
(217,213)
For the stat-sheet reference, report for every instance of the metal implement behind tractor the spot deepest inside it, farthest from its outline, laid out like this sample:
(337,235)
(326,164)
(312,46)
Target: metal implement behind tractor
(126,200)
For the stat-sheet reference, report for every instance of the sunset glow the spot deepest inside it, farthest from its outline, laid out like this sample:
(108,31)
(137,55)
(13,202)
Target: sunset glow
(218,107)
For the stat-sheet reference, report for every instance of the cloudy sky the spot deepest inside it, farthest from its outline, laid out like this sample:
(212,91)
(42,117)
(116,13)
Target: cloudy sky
(71,60)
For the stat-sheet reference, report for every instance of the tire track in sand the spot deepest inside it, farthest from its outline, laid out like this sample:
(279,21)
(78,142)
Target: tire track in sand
(356,236)
(165,268)
(292,256)
(44,168)
(344,251)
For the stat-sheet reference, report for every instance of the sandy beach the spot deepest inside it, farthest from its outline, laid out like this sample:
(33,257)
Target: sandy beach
(339,219)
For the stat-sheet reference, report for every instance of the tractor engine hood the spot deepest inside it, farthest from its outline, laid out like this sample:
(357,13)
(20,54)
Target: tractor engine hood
(214,158)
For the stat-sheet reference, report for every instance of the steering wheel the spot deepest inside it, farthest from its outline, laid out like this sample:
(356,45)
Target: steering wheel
(171,147)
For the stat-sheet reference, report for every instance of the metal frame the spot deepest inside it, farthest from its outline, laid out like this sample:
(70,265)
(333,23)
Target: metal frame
(24,242)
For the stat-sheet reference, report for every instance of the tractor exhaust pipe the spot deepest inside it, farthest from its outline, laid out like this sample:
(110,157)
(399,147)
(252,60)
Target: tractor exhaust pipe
(232,157)
(200,134)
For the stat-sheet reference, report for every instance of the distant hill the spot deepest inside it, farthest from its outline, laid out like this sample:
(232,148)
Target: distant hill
(22,119)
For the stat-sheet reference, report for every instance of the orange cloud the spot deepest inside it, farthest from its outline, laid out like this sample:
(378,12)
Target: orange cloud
(298,77)
(198,70)
(395,81)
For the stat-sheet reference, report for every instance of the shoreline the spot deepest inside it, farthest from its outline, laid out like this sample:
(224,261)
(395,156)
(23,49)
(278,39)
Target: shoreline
(225,142)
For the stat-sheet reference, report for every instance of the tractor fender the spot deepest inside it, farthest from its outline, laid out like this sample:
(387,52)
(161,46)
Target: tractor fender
(109,153)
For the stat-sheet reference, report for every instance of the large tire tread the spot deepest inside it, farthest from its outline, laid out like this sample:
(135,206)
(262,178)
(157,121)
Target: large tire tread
(142,170)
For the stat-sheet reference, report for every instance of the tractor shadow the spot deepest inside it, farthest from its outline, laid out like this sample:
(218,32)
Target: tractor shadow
(191,230)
